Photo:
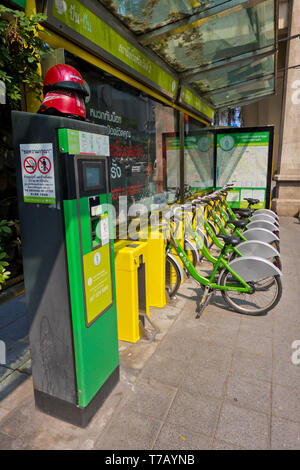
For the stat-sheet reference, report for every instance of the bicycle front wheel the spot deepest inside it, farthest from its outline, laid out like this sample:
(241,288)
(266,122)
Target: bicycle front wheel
(265,296)
(173,278)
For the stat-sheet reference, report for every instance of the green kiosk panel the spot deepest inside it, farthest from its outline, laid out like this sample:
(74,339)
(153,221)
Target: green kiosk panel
(66,226)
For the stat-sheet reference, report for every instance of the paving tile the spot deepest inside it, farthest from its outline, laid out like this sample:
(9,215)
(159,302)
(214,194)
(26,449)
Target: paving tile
(134,356)
(15,330)
(12,310)
(251,365)
(212,356)
(197,414)
(129,431)
(14,384)
(4,372)
(224,335)
(253,343)
(150,399)
(173,437)
(43,432)
(10,443)
(285,435)
(286,332)
(221,445)
(259,326)
(17,387)
(285,372)
(3,412)
(188,327)
(286,402)
(177,347)
(204,381)
(165,370)
(243,428)
(249,393)
(282,350)
(17,353)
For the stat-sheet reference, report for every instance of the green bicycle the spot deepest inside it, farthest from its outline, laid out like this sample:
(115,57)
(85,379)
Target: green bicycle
(239,280)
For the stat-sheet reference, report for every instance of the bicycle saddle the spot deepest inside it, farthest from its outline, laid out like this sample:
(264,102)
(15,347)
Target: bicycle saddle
(230,240)
(244,212)
(251,200)
(241,223)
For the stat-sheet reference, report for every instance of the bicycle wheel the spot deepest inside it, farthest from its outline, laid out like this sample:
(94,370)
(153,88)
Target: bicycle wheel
(265,295)
(173,278)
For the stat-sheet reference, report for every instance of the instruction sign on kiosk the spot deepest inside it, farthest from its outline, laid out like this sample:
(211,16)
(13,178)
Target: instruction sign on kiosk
(66,225)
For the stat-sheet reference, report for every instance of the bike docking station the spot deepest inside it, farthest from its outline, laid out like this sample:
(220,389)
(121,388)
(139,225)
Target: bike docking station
(66,226)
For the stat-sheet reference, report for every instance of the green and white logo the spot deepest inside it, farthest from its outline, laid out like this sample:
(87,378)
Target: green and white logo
(227,143)
(60,6)
(204,144)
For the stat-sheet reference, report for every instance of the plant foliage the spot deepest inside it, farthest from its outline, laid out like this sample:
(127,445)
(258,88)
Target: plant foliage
(20,52)
(4,274)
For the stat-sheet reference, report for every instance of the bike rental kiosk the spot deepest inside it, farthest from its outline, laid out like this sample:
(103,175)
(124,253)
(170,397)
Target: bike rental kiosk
(66,224)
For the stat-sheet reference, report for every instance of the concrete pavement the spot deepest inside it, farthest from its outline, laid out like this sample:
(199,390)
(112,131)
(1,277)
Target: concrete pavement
(225,381)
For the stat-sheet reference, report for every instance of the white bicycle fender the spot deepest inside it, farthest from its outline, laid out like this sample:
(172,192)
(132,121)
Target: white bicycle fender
(257,248)
(262,224)
(178,265)
(253,268)
(260,234)
(265,217)
(267,211)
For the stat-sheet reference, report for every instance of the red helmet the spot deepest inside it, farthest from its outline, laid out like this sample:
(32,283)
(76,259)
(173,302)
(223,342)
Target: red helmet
(64,77)
(63,103)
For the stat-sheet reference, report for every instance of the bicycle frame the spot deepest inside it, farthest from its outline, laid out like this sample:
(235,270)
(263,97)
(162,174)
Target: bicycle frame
(209,282)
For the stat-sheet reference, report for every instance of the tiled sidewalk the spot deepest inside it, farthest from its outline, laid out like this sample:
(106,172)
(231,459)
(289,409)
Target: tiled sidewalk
(224,381)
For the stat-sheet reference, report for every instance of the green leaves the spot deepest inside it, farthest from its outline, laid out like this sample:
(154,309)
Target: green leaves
(20,52)
(4,274)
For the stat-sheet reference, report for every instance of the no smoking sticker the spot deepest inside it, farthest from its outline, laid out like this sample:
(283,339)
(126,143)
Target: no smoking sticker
(29,165)
(38,173)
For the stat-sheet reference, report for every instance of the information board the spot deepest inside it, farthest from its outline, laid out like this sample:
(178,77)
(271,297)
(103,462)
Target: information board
(244,158)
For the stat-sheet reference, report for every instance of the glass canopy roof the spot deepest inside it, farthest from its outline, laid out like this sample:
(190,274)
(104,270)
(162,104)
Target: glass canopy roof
(141,16)
(246,92)
(233,74)
(211,44)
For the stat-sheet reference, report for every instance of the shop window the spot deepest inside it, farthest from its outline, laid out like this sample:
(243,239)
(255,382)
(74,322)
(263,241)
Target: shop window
(198,156)
(136,124)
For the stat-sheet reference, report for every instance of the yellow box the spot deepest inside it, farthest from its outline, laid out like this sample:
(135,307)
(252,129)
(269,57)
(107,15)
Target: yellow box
(131,272)
(157,266)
